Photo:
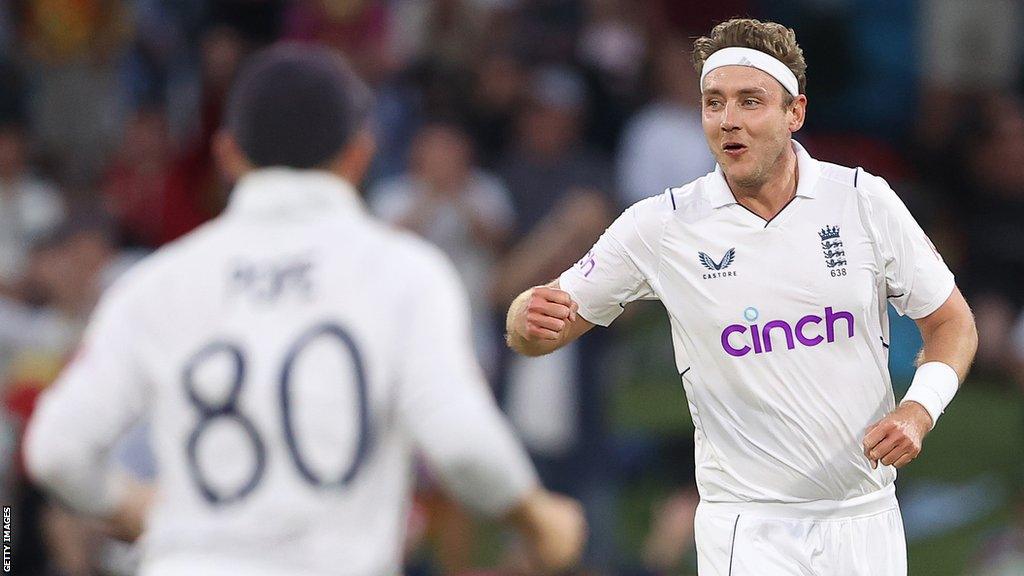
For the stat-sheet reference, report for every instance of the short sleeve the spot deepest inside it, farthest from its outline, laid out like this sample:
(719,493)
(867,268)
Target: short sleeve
(446,404)
(917,280)
(622,266)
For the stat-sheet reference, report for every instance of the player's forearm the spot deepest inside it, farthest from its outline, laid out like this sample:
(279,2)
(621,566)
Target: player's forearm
(553,525)
(74,476)
(950,341)
(475,452)
(64,456)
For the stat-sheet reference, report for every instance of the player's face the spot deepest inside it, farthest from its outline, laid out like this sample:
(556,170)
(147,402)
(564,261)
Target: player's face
(746,124)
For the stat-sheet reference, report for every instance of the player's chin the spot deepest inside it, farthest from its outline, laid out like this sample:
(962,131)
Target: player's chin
(740,172)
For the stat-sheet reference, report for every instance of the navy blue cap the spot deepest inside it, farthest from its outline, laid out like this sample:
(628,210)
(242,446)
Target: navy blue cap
(296,105)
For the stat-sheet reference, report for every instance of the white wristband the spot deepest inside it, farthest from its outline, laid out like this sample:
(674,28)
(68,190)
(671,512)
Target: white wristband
(934,385)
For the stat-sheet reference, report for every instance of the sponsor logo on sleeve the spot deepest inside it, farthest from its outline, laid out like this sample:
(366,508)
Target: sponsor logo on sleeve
(587,264)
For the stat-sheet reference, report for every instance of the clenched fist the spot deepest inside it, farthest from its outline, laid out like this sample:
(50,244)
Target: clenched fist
(896,439)
(542,320)
(547,313)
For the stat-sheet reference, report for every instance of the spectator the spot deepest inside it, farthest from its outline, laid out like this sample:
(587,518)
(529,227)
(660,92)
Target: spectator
(498,91)
(29,208)
(464,210)
(663,145)
(992,188)
(147,195)
(75,48)
(69,268)
(222,50)
(560,189)
(561,192)
(966,51)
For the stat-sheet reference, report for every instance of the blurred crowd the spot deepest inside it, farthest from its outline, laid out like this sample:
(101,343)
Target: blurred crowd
(510,133)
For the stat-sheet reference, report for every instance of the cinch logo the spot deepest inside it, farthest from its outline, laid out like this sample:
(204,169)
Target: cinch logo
(760,338)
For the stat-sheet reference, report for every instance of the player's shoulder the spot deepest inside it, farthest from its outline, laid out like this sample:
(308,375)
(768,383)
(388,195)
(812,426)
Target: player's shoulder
(690,202)
(145,279)
(876,199)
(670,201)
(409,258)
(645,218)
(853,180)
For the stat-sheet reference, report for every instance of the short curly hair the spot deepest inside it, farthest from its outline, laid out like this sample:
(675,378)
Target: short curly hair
(768,37)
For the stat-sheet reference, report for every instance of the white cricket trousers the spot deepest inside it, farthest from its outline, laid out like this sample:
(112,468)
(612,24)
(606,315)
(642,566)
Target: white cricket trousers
(858,537)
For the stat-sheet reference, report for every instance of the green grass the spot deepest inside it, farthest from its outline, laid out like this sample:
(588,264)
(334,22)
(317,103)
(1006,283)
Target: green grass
(982,432)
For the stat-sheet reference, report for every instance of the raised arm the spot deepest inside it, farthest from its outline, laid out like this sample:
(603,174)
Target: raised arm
(615,272)
(542,320)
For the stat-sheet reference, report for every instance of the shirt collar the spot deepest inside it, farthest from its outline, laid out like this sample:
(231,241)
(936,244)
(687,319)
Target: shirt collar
(289,191)
(808,172)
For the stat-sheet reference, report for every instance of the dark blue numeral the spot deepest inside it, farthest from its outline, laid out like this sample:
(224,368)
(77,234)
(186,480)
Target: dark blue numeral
(227,409)
(363,442)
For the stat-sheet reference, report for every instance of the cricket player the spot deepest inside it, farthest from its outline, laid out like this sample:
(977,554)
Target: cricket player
(776,270)
(290,356)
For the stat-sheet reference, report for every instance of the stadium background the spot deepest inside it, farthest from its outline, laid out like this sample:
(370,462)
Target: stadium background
(510,133)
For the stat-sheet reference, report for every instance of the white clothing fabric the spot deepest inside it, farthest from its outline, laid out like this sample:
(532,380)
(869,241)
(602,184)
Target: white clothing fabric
(449,228)
(289,355)
(859,537)
(779,328)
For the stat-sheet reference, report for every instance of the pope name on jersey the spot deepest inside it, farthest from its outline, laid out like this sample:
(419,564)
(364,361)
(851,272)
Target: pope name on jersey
(779,328)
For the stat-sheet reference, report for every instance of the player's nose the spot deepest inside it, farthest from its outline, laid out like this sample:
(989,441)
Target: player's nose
(728,118)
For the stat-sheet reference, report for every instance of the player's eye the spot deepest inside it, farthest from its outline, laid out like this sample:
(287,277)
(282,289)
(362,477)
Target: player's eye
(713,104)
(749,102)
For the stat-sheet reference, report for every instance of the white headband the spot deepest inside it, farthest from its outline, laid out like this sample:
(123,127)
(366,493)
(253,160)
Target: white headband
(736,56)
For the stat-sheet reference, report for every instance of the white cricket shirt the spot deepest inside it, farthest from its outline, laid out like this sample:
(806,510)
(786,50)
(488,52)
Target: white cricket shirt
(779,328)
(290,355)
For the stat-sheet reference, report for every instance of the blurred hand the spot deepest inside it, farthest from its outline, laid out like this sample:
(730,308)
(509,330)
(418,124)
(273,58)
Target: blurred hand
(128,521)
(548,311)
(555,530)
(896,439)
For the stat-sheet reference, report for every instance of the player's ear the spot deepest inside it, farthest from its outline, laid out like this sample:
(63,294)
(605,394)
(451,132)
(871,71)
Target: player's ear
(354,160)
(797,112)
(229,156)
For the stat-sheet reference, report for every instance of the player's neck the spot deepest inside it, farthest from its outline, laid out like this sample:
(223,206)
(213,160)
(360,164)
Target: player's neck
(770,197)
